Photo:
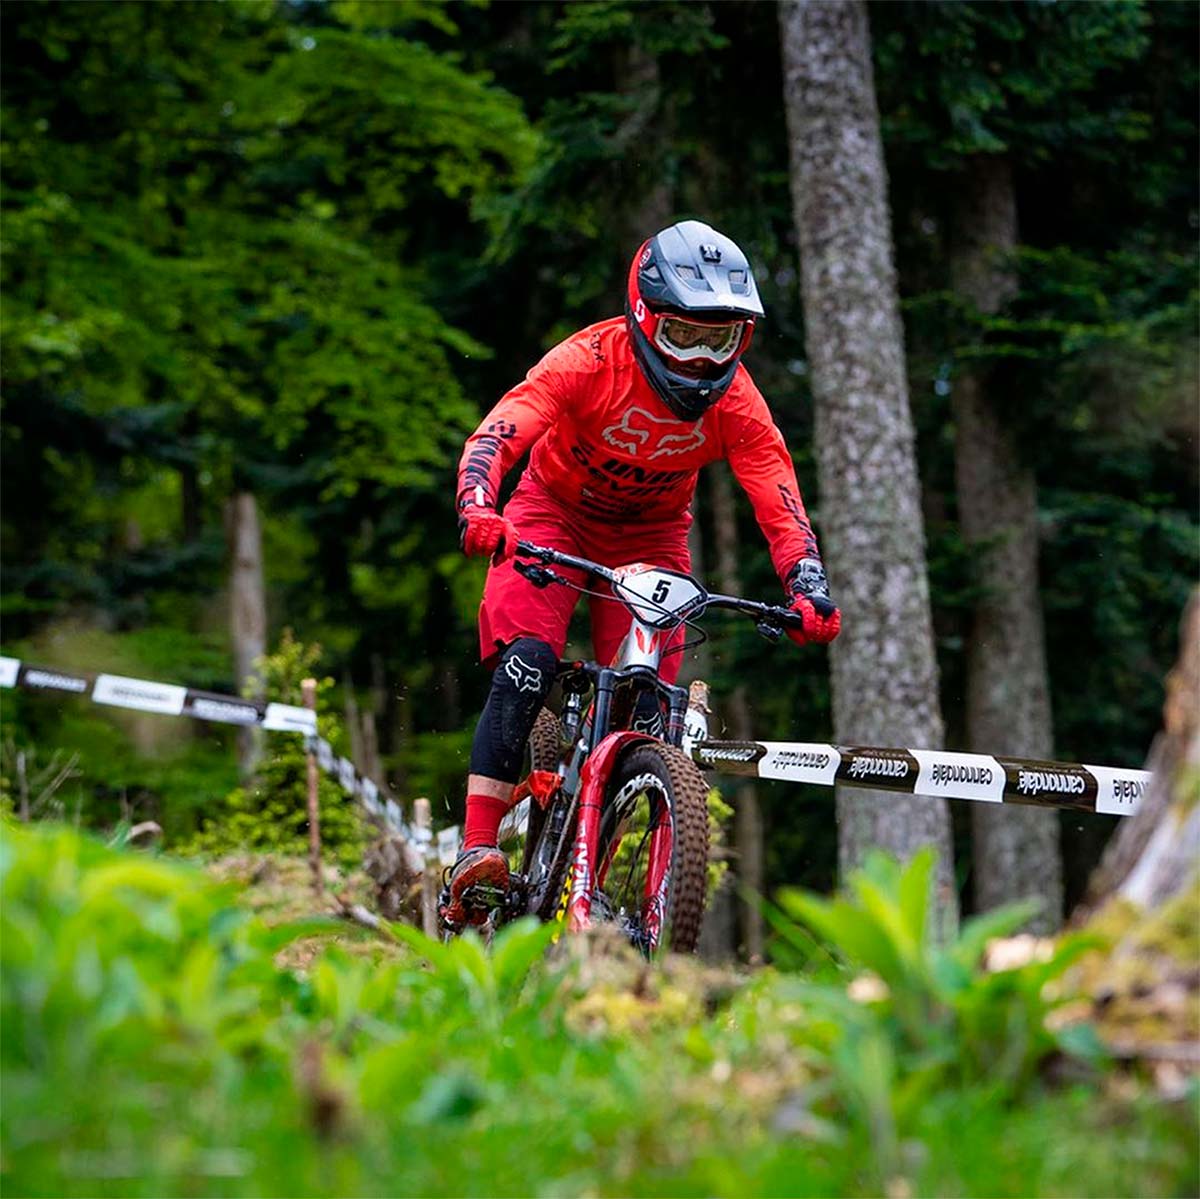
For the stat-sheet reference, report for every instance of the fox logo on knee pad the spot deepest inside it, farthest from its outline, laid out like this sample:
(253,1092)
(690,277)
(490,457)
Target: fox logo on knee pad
(526,677)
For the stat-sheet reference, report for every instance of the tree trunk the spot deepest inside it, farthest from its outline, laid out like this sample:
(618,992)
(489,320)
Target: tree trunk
(1143,898)
(643,137)
(248,610)
(748,827)
(372,765)
(353,719)
(403,730)
(1155,851)
(1016,850)
(884,673)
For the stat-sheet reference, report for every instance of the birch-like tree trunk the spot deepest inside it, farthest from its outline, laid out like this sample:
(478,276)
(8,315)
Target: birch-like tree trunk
(247,609)
(884,673)
(1016,850)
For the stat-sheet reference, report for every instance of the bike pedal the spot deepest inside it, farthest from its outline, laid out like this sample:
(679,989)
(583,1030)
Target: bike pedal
(481,896)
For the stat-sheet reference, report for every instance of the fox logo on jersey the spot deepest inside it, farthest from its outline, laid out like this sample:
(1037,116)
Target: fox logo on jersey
(642,434)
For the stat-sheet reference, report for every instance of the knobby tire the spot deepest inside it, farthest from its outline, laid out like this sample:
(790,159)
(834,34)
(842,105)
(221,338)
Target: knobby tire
(686,794)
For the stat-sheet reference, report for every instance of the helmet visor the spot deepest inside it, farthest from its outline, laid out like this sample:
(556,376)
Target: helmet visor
(689,341)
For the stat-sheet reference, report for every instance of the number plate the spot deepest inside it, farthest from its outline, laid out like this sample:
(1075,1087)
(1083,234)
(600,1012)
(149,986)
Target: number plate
(659,598)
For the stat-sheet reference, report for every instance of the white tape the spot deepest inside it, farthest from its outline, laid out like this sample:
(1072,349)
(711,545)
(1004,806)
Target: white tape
(9,669)
(141,694)
(345,771)
(395,817)
(285,718)
(447,845)
(1118,792)
(959,776)
(798,762)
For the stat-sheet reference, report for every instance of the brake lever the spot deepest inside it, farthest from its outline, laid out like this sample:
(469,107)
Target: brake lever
(772,632)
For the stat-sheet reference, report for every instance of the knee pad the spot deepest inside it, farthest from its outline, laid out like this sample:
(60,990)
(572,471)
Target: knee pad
(520,684)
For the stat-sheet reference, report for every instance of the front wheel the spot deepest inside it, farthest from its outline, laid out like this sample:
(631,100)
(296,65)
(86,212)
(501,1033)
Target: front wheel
(653,849)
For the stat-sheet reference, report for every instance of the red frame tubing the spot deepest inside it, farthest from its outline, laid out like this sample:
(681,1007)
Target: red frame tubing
(592,780)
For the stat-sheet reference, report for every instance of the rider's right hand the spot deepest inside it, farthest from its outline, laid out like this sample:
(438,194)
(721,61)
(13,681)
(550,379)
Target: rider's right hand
(484,533)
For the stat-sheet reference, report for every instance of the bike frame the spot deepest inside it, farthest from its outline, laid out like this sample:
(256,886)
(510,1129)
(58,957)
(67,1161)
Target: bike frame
(598,747)
(577,805)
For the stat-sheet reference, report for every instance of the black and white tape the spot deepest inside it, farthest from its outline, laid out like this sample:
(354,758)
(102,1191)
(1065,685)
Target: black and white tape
(384,809)
(169,699)
(1105,789)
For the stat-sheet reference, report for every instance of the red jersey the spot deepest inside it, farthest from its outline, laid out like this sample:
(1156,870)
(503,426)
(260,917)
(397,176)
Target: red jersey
(604,444)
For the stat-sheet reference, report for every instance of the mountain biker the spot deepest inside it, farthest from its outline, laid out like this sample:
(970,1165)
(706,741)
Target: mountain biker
(619,417)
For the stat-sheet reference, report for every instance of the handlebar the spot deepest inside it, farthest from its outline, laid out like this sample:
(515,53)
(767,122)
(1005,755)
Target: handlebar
(772,619)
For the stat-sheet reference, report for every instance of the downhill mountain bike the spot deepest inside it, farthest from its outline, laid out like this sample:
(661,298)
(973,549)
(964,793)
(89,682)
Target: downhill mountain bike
(611,823)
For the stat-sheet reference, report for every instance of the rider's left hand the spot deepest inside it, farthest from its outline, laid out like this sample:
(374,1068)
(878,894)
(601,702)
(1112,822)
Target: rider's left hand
(809,591)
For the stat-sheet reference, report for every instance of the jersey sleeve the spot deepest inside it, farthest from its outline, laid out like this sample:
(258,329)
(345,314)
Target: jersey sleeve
(755,450)
(515,423)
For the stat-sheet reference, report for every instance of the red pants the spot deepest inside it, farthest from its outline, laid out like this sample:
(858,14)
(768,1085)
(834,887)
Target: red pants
(513,607)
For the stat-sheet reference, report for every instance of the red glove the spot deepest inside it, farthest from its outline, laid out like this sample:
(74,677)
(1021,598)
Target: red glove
(809,591)
(484,533)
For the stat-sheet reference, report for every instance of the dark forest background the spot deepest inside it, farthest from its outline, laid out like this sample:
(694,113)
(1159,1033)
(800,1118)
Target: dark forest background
(292,252)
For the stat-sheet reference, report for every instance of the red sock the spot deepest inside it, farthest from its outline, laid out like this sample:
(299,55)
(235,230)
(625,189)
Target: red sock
(484,813)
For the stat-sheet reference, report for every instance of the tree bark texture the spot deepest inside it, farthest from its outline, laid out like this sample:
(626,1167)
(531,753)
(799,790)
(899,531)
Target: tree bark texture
(748,825)
(1016,850)
(248,610)
(884,673)
(644,136)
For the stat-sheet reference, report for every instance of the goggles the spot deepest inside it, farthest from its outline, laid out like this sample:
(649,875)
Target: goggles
(691,341)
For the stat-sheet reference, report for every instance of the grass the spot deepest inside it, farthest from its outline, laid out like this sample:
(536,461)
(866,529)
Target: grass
(155,1042)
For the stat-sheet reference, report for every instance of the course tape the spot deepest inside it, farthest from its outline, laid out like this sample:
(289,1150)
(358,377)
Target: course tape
(146,695)
(169,699)
(365,790)
(1104,789)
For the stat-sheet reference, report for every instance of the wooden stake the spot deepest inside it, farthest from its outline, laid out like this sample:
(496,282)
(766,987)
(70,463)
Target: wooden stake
(308,689)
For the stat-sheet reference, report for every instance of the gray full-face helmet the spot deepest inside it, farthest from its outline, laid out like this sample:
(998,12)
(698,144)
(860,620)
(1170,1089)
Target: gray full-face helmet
(691,304)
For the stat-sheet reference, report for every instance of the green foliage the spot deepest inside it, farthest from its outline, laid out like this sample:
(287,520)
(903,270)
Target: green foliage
(947,1022)
(439,1069)
(125,765)
(271,813)
(719,816)
(224,269)
(976,78)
